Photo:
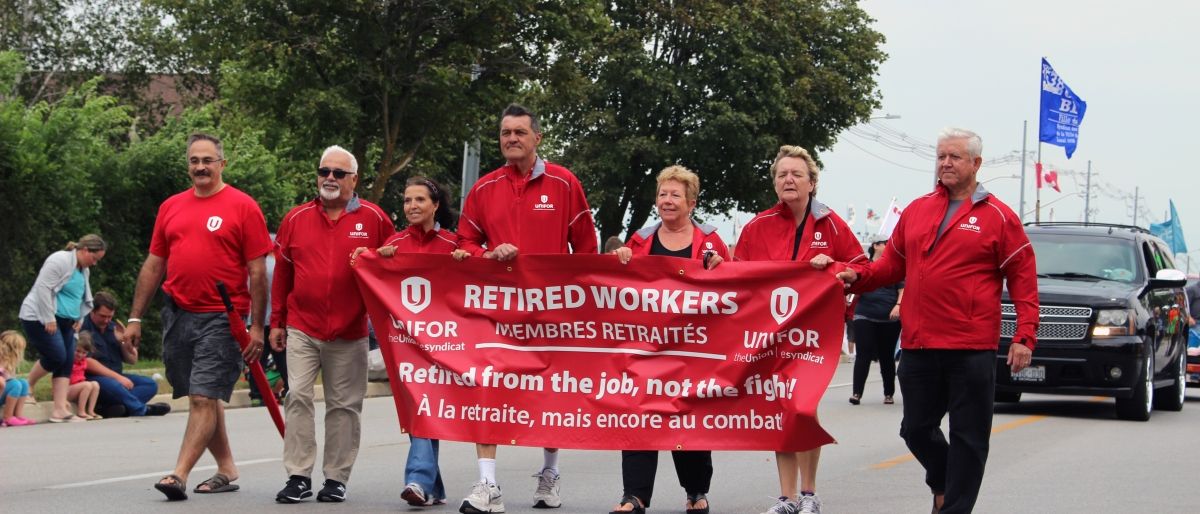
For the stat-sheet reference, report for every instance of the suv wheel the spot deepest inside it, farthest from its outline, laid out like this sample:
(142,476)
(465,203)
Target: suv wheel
(1172,397)
(1138,407)
(1008,397)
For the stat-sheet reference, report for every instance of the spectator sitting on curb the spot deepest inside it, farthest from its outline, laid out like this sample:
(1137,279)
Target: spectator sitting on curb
(120,394)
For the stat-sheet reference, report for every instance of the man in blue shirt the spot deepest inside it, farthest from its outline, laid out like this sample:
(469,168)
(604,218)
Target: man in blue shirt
(120,394)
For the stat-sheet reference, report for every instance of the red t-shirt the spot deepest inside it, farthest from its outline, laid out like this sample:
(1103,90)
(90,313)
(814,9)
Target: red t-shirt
(542,212)
(416,240)
(208,239)
(313,288)
(78,369)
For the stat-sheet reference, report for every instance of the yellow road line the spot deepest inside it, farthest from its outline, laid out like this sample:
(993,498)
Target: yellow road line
(997,429)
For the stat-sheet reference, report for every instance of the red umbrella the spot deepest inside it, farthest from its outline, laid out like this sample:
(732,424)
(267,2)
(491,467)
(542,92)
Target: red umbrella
(238,327)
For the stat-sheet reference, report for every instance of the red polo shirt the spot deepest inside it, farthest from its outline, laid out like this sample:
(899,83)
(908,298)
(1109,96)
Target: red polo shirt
(314,290)
(543,212)
(205,240)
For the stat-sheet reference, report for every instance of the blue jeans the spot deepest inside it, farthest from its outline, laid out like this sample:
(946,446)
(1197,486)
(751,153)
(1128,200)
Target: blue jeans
(422,467)
(57,349)
(134,400)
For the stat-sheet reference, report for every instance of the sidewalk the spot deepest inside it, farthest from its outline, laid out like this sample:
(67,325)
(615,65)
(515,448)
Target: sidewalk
(40,411)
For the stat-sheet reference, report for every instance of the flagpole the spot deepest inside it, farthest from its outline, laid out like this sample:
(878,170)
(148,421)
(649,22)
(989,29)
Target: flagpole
(1024,138)
(1087,199)
(1037,204)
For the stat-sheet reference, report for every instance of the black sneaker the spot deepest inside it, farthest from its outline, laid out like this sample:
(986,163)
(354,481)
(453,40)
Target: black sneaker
(112,410)
(298,488)
(332,491)
(157,409)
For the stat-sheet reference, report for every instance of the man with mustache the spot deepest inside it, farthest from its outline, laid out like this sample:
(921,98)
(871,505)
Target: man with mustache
(318,314)
(211,232)
(526,206)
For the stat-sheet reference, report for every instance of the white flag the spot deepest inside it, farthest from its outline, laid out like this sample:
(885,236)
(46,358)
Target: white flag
(889,220)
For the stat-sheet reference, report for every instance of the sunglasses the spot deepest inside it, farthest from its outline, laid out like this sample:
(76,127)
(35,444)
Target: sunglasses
(337,173)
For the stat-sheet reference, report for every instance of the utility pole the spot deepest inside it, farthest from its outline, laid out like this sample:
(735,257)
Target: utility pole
(1135,199)
(470,168)
(1087,199)
(1024,136)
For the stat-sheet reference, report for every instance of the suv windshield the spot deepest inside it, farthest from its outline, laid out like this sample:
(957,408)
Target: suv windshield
(1086,257)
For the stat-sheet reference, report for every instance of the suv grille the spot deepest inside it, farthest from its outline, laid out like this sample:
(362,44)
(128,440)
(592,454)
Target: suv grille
(1058,323)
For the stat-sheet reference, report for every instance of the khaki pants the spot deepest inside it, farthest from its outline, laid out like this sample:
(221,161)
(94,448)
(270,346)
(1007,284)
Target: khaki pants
(343,367)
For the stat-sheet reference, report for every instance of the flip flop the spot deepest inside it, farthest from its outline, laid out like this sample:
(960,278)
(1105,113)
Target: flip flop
(218,483)
(175,490)
(69,418)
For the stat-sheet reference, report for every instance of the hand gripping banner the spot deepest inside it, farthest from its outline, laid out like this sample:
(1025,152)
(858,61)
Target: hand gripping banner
(580,351)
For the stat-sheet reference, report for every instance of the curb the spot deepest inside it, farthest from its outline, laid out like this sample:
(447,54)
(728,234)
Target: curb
(40,411)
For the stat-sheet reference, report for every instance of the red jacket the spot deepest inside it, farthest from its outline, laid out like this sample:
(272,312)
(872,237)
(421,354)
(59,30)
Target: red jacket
(542,213)
(313,289)
(771,236)
(952,288)
(704,238)
(416,240)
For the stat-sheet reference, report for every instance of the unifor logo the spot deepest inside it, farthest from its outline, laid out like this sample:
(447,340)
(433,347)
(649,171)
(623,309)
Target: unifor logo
(545,198)
(214,223)
(973,219)
(817,236)
(415,293)
(358,226)
(783,303)
(708,244)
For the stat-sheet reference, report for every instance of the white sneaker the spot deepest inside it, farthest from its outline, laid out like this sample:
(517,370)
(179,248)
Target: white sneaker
(785,505)
(546,496)
(414,494)
(809,504)
(484,497)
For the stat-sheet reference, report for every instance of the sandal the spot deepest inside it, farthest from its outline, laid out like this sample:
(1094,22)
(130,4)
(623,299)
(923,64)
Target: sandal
(175,488)
(218,483)
(638,507)
(887,400)
(855,399)
(693,499)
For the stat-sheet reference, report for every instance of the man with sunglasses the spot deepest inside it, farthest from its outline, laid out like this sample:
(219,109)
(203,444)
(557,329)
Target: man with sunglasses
(318,314)
(211,232)
(526,206)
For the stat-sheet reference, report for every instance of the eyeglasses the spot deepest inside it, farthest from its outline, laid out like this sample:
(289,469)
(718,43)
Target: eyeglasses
(337,173)
(207,161)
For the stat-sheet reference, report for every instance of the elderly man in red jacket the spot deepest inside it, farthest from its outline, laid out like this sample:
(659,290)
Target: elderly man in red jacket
(955,248)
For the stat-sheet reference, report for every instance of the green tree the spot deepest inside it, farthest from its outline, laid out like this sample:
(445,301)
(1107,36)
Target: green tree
(716,85)
(396,81)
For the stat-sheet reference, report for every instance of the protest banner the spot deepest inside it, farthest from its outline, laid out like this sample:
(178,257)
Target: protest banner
(580,351)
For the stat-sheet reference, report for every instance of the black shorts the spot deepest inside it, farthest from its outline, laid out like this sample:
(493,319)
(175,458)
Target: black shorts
(200,354)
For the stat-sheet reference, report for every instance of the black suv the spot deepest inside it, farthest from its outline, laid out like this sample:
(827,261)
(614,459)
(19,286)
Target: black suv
(1113,320)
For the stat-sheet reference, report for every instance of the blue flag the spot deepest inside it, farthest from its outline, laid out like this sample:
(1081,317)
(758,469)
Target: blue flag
(1062,111)
(1170,232)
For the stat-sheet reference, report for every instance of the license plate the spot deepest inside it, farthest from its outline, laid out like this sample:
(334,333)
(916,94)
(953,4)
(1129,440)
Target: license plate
(1031,374)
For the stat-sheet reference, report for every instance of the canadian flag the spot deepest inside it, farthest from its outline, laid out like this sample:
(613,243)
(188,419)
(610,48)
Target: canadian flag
(889,220)
(1051,178)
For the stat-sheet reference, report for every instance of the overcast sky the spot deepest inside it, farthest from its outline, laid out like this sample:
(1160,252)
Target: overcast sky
(977,64)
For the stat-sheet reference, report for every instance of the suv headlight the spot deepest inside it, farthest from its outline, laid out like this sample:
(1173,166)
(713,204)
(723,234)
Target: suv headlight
(1113,322)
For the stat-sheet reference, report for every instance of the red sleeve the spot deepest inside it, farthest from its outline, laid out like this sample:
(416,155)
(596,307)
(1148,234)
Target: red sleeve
(721,248)
(471,236)
(386,227)
(581,229)
(1016,260)
(888,269)
(159,245)
(282,279)
(848,248)
(256,240)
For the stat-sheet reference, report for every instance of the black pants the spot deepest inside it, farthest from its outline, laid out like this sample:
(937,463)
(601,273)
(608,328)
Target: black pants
(875,340)
(638,467)
(961,382)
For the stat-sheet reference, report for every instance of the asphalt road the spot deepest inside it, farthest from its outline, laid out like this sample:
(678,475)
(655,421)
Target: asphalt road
(1049,454)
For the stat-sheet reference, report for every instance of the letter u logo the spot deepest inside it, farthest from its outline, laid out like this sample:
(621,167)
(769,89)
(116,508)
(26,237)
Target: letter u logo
(415,293)
(214,223)
(784,301)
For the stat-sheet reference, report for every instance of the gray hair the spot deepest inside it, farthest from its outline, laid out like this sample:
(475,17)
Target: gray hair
(335,149)
(974,142)
(519,110)
(200,136)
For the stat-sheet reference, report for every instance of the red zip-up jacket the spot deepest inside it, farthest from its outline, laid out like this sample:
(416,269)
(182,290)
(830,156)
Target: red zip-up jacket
(953,283)
(414,239)
(545,212)
(704,238)
(771,236)
(313,288)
